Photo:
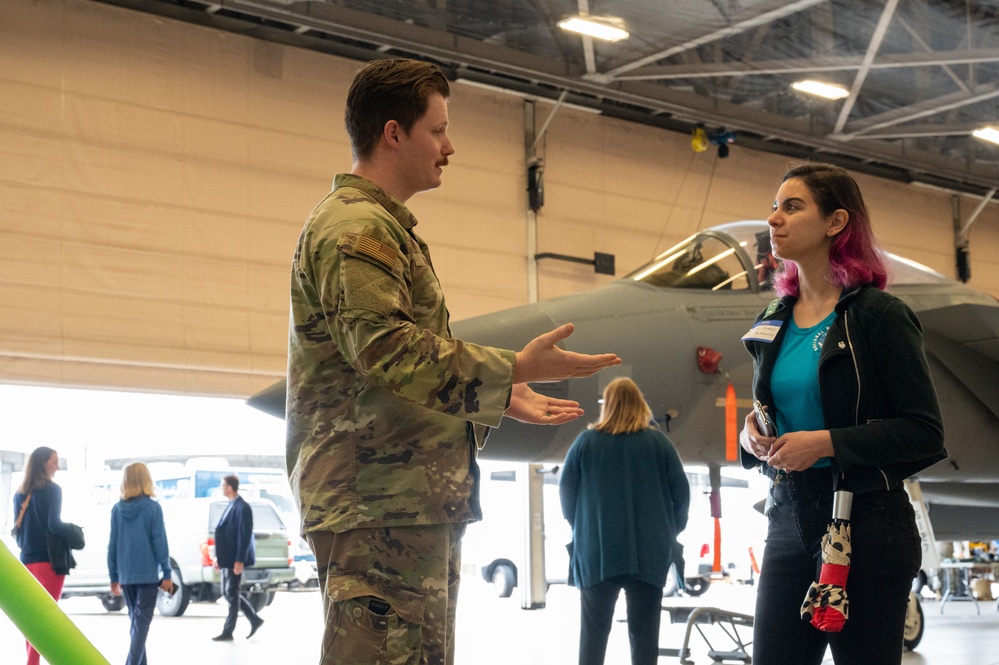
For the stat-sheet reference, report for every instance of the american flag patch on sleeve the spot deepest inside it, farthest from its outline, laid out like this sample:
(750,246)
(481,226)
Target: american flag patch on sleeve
(375,249)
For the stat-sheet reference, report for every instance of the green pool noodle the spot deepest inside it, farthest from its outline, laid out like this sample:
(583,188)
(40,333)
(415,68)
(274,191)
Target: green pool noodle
(30,607)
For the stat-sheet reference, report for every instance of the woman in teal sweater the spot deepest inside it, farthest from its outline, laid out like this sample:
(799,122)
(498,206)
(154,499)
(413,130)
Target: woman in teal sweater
(624,491)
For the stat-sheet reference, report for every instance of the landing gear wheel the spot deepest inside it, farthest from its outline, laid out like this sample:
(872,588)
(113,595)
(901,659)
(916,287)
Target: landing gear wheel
(695,586)
(914,623)
(504,579)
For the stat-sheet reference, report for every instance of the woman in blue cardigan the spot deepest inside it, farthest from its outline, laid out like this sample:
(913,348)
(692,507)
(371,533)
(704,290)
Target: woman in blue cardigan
(624,491)
(138,560)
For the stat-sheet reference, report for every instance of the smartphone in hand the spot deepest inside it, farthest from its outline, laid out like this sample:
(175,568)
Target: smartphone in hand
(763,422)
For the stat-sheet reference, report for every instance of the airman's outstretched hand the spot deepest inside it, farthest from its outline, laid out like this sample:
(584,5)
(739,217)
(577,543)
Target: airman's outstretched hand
(541,360)
(528,406)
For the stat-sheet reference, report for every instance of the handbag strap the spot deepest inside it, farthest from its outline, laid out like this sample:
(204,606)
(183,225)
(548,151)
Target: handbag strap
(20,515)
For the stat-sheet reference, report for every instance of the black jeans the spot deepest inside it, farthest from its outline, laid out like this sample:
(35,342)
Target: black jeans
(230,591)
(886,557)
(597,612)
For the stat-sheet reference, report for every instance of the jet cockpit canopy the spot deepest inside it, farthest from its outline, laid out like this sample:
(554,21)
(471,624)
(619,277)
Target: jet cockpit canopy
(737,256)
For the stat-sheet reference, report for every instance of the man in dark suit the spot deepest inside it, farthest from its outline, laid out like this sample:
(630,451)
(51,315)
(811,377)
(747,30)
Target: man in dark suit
(234,551)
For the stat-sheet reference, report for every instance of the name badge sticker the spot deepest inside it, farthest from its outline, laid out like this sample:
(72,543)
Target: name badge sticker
(764,331)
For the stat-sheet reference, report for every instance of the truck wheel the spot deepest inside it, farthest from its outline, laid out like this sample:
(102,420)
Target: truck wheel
(112,603)
(913,623)
(258,600)
(175,605)
(504,579)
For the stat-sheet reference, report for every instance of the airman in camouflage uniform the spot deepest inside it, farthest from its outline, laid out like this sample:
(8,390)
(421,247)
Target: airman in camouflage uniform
(385,409)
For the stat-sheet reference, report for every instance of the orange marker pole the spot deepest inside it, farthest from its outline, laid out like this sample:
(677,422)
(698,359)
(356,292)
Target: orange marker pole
(731,425)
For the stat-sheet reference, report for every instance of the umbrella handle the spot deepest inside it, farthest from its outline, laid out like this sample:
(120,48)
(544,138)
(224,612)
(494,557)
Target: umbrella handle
(842,505)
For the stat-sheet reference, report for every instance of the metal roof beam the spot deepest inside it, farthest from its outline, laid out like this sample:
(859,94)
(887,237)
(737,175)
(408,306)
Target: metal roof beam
(865,68)
(922,110)
(921,131)
(721,33)
(821,64)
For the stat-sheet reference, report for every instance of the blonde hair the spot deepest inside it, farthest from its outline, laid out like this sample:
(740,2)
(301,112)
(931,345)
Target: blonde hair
(136,481)
(624,409)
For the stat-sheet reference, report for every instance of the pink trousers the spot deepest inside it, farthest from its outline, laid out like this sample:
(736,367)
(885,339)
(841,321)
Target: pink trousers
(52,583)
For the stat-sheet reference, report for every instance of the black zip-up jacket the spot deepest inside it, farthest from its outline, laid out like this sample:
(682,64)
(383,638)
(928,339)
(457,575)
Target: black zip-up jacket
(878,399)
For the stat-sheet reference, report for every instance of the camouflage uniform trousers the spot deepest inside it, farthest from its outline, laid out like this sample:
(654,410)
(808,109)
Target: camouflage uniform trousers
(391,594)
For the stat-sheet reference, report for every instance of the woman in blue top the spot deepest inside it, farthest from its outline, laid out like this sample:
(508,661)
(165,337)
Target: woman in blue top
(138,560)
(624,491)
(839,366)
(38,505)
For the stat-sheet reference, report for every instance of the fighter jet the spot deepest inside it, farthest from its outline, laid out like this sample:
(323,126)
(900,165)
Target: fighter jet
(677,323)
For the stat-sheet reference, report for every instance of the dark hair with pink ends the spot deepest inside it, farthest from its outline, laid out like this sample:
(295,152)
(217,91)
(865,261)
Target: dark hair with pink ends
(854,257)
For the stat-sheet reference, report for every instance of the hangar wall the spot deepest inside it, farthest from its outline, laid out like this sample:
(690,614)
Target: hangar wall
(154,177)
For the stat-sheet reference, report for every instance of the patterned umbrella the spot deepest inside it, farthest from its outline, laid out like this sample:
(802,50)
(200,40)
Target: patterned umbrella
(826,606)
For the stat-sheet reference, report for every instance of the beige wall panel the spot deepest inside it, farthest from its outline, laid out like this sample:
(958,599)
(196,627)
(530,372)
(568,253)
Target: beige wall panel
(116,55)
(30,160)
(299,92)
(211,234)
(155,176)
(137,330)
(113,272)
(29,261)
(219,338)
(267,285)
(140,226)
(215,85)
(31,43)
(222,284)
(497,282)
(214,157)
(30,110)
(295,155)
(984,240)
(31,324)
(112,172)
(271,244)
(122,126)
(268,335)
(80,374)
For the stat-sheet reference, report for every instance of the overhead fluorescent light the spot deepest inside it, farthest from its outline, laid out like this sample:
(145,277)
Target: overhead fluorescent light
(987,134)
(600,28)
(821,89)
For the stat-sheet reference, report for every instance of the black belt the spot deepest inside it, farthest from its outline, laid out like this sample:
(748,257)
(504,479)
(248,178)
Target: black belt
(811,477)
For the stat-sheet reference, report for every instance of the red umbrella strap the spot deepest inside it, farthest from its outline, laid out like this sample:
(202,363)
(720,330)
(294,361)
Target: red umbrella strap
(832,573)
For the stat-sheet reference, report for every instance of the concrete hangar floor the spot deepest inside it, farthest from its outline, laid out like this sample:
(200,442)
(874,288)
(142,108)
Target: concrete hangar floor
(491,631)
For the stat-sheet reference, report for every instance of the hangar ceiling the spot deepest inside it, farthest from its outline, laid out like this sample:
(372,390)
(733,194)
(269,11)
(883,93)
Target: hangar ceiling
(923,74)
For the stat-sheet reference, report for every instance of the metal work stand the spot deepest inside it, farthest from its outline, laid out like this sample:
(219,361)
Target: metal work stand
(957,582)
(728,624)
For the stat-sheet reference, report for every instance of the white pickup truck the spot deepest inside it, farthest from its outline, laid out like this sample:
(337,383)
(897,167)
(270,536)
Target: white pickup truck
(190,527)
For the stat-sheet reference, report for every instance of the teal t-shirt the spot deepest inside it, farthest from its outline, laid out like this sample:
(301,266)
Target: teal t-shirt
(795,380)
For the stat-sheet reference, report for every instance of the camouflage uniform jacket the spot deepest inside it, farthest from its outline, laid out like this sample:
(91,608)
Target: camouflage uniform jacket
(384,408)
